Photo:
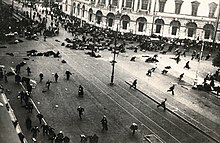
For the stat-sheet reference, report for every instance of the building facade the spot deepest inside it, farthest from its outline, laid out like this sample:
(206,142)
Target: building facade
(190,19)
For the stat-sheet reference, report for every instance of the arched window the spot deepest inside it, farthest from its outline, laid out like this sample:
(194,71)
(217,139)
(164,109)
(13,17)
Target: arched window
(98,17)
(141,21)
(74,8)
(90,14)
(175,25)
(83,11)
(78,9)
(110,19)
(212,9)
(159,24)
(191,26)
(125,21)
(209,29)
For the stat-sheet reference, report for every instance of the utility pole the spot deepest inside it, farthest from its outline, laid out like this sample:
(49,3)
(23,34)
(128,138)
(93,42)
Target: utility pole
(216,27)
(113,61)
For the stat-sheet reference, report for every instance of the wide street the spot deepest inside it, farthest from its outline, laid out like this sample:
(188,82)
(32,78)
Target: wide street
(192,116)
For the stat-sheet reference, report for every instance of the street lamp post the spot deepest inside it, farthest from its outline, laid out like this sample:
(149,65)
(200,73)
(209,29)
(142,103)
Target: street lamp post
(113,61)
(200,58)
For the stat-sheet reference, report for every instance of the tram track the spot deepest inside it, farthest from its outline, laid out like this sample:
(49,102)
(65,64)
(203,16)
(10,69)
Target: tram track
(101,72)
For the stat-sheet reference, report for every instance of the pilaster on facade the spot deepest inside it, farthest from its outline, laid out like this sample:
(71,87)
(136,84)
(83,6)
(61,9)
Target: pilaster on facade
(136,5)
(120,3)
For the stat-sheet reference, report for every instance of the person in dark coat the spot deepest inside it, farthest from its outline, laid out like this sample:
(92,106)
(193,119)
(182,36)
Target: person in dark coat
(81,92)
(17,69)
(171,89)
(187,65)
(28,123)
(81,111)
(28,70)
(163,104)
(56,77)
(181,77)
(149,72)
(40,117)
(41,76)
(104,123)
(48,84)
(29,89)
(68,73)
(134,84)
(35,130)
(45,128)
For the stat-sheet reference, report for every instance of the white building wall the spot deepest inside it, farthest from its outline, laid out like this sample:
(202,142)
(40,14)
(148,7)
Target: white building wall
(168,15)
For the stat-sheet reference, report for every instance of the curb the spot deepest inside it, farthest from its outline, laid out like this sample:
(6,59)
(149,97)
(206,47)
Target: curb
(13,118)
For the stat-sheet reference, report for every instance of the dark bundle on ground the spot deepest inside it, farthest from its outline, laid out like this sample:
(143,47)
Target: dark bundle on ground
(168,67)
(63,61)
(26,58)
(49,53)
(3,47)
(10,54)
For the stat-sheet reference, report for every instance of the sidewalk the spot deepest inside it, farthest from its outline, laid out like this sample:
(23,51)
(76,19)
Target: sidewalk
(9,133)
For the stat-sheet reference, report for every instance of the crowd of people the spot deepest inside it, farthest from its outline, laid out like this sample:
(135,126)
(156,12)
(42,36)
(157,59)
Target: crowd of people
(92,38)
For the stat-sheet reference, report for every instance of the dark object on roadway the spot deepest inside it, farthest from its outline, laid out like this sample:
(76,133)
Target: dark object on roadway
(39,54)
(63,61)
(167,67)
(164,71)
(68,40)
(69,45)
(57,40)
(133,59)
(32,51)
(22,64)
(44,91)
(3,47)
(10,54)
(49,53)
(93,54)
(26,58)
(151,60)
(63,44)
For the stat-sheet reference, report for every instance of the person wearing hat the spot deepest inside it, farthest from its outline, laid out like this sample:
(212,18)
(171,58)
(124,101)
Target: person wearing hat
(35,130)
(41,76)
(104,123)
(81,111)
